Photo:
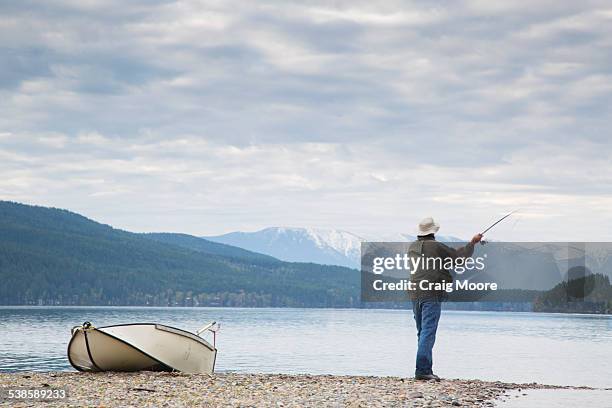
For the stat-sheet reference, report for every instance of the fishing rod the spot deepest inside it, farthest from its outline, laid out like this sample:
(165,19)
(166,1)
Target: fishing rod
(495,223)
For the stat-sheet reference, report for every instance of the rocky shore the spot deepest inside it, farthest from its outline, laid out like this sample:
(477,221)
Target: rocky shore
(252,390)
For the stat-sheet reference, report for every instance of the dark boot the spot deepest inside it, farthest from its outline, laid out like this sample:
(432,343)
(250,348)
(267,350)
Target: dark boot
(426,377)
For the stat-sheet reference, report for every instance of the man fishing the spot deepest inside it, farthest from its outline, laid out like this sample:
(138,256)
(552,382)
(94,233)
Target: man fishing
(426,304)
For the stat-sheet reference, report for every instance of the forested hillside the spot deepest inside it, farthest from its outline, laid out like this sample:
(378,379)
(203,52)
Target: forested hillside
(203,245)
(588,294)
(53,256)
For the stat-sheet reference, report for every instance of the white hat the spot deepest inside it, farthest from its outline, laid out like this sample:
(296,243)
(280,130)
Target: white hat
(428,226)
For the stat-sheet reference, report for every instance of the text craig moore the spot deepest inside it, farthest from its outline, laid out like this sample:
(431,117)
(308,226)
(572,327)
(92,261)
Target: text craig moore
(409,263)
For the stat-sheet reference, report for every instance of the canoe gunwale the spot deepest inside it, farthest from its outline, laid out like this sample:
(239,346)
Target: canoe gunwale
(164,327)
(184,333)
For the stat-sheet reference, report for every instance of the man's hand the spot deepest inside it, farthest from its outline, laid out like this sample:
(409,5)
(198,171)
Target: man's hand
(476,239)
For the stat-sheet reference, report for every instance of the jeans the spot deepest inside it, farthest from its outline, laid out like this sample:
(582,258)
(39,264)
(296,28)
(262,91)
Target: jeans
(426,315)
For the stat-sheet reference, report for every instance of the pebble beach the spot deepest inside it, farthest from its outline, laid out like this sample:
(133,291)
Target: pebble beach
(253,390)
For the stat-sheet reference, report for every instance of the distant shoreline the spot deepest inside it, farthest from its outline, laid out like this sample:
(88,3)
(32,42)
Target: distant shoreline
(408,307)
(223,389)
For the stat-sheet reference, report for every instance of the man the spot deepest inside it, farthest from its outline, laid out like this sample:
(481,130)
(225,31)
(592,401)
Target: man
(426,304)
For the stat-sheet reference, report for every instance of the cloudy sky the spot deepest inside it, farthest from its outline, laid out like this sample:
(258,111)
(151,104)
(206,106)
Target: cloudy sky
(211,116)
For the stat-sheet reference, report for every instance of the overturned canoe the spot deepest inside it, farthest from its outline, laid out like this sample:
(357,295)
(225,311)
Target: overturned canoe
(140,346)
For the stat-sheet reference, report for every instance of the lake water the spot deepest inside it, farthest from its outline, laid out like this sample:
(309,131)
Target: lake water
(516,347)
(557,398)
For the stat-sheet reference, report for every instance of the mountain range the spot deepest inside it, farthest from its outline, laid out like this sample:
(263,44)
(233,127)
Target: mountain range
(54,256)
(514,265)
(323,246)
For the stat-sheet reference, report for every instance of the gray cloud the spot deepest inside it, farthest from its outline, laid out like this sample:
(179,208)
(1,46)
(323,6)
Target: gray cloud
(210,116)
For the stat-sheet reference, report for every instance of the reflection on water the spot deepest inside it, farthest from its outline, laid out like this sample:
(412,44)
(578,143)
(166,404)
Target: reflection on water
(516,347)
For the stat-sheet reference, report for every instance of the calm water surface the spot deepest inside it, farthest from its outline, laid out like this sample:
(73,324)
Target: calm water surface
(560,398)
(516,347)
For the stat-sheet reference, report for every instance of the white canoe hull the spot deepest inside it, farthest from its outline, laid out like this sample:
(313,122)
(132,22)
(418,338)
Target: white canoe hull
(141,346)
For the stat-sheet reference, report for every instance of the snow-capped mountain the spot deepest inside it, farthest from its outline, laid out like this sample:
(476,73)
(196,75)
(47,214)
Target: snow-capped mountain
(332,247)
(323,246)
